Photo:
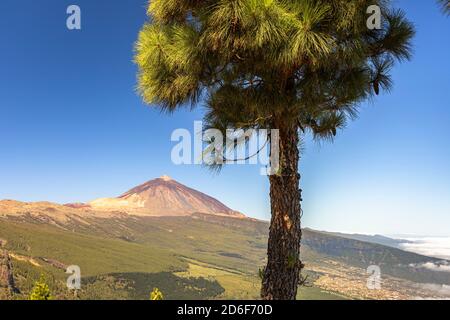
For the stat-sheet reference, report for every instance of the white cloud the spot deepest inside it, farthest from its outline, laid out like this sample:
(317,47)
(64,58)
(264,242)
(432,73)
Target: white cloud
(442,266)
(438,247)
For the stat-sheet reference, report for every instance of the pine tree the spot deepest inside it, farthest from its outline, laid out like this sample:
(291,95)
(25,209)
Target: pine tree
(41,290)
(295,65)
(445,4)
(156,294)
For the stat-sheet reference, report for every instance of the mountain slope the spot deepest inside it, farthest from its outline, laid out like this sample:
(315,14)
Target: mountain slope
(164,197)
(124,257)
(378,239)
(158,197)
(190,245)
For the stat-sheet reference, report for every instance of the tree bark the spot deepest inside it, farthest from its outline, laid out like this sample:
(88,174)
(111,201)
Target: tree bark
(282,273)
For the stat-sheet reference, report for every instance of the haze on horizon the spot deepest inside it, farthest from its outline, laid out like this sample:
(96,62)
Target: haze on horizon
(74,129)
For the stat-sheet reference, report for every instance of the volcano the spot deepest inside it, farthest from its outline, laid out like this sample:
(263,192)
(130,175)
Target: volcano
(164,197)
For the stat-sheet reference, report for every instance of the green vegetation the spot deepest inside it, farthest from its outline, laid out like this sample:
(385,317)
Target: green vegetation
(199,257)
(41,290)
(315,293)
(94,254)
(237,285)
(137,286)
(156,295)
(114,268)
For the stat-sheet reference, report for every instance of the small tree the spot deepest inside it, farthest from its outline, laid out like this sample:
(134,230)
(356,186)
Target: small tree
(40,291)
(156,294)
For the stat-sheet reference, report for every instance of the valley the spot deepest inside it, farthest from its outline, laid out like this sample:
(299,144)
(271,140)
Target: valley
(123,255)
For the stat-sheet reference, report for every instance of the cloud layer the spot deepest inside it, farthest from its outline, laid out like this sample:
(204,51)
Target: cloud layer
(442,266)
(438,247)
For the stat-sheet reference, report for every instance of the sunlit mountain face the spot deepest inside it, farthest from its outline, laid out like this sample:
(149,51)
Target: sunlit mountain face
(164,196)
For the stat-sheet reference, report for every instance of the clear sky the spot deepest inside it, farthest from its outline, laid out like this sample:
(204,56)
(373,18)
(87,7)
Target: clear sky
(73,129)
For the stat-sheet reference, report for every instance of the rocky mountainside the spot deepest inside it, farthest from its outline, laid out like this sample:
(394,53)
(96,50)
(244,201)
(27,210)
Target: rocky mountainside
(158,197)
(165,196)
(164,234)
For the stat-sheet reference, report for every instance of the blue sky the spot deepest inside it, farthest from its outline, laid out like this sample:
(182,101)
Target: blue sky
(73,129)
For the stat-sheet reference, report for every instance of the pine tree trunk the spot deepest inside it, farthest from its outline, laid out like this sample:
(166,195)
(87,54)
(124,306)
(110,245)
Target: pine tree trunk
(281,275)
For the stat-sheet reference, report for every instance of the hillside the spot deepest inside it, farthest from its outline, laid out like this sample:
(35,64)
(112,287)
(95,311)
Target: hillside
(164,197)
(198,256)
(378,239)
(125,251)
